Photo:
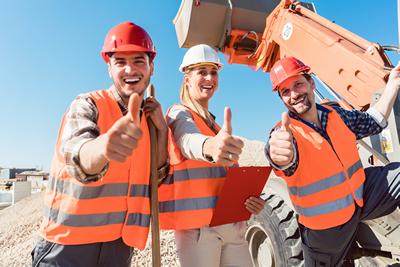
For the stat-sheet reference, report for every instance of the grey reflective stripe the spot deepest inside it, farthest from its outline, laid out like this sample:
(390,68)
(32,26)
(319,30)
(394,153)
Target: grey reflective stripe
(326,183)
(353,168)
(326,207)
(88,192)
(85,220)
(188,204)
(359,192)
(138,219)
(318,186)
(195,173)
(140,190)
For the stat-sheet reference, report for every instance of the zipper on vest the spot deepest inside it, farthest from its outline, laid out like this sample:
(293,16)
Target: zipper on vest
(345,173)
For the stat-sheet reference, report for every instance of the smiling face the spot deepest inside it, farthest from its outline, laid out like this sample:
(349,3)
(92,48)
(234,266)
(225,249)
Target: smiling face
(297,94)
(202,82)
(130,72)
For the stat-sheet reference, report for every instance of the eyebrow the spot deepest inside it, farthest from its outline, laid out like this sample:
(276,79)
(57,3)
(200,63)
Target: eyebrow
(204,68)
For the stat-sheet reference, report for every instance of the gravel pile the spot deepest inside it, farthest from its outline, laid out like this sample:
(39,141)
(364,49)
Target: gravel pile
(19,224)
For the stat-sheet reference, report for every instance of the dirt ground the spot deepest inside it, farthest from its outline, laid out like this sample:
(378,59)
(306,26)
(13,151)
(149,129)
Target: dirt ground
(19,224)
(18,230)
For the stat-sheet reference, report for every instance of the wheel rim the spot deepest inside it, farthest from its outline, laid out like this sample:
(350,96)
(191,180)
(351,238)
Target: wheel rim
(261,248)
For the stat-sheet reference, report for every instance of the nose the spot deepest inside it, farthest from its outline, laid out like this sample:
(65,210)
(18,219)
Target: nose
(128,68)
(208,77)
(294,93)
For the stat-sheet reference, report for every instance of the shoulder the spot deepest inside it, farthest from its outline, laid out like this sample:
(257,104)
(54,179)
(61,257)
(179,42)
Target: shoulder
(178,111)
(82,104)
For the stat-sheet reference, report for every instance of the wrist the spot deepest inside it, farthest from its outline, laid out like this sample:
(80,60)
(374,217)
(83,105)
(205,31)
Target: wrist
(206,150)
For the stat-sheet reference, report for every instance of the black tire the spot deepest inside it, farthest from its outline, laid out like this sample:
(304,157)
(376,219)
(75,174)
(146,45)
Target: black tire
(273,235)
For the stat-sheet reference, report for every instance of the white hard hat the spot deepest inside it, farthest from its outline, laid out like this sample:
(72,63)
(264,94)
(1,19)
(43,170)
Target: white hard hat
(199,54)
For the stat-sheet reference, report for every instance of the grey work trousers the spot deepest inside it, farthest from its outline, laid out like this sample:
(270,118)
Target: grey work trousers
(104,254)
(381,197)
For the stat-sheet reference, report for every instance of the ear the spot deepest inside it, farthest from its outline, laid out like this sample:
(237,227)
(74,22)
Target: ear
(186,78)
(151,68)
(312,83)
(109,69)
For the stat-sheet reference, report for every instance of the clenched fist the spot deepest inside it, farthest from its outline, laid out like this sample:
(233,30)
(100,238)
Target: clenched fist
(224,148)
(281,148)
(122,138)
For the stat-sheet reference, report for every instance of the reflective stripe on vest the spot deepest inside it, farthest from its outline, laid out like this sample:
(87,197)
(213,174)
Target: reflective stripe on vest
(195,173)
(80,191)
(330,206)
(115,206)
(188,195)
(329,178)
(188,204)
(326,183)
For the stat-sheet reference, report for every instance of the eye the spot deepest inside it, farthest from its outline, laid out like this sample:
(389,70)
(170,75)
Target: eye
(140,62)
(203,72)
(119,63)
(214,72)
(285,91)
(299,84)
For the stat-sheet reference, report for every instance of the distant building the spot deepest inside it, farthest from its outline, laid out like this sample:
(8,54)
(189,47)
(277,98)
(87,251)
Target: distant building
(38,179)
(9,173)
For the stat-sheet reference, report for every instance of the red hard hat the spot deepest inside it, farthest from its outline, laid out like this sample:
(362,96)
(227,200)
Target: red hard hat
(127,37)
(285,68)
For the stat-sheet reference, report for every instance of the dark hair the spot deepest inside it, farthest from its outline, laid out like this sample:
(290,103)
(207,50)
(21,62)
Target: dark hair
(307,76)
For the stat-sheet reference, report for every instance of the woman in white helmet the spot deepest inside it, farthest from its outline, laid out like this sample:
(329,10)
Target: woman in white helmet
(200,150)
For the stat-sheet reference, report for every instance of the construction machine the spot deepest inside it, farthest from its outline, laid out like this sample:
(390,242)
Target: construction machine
(257,33)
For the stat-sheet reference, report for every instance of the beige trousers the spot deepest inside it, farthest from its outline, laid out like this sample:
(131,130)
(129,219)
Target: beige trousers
(223,245)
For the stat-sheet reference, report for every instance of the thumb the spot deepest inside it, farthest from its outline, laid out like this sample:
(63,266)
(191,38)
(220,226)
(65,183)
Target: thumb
(134,108)
(227,127)
(285,122)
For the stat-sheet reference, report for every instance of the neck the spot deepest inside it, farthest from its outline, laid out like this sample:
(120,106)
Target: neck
(311,116)
(204,104)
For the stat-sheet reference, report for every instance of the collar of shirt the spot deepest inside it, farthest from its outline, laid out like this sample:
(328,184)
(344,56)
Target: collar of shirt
(118,98)
(322,116)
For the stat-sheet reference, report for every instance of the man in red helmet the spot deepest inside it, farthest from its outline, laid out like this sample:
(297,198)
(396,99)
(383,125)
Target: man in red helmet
(314,150)
(97,201)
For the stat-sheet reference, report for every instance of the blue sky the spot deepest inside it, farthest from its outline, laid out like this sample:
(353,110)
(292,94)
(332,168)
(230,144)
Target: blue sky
(50,53)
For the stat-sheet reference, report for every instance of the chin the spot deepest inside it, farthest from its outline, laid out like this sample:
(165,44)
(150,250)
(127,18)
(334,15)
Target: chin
(302,111)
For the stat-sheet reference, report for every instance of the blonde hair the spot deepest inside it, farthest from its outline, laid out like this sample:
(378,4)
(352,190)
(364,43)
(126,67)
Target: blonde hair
(195,106)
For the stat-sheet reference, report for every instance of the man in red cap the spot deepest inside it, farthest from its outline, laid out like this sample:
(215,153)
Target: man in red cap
(97,201)
(314,150)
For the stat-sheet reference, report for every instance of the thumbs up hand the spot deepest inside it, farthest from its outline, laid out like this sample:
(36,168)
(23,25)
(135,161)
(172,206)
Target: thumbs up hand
(224,148)
(281,148)
(122,138)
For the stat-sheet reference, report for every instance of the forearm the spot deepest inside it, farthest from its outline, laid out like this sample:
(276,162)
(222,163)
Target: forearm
(91,156)
(191,146)
(389,95)
(386,101)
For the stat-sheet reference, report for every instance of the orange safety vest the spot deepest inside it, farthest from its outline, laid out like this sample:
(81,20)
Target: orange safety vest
(329,178)
(115,206)
(187,197)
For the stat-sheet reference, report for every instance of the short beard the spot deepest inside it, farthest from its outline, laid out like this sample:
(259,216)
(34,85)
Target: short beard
(307,104)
